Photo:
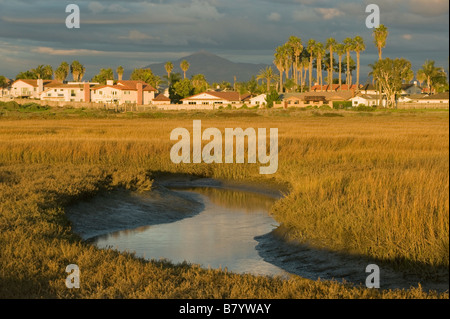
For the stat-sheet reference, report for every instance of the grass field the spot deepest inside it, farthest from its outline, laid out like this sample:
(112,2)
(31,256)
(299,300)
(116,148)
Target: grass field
(368,183)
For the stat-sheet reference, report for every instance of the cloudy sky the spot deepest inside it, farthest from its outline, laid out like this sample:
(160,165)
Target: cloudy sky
(136,33)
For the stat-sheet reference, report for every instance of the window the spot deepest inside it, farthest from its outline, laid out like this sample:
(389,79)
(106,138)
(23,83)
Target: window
(72,93)
(205,103)
(100,92)
(192,103)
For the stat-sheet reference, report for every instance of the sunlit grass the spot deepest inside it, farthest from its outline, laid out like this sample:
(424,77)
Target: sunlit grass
(371,185)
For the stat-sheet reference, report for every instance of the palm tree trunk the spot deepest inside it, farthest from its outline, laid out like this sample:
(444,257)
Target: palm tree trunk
(340,73)
(358,68)
(310,73)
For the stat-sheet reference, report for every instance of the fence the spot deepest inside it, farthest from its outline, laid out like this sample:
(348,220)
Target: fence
(422,106)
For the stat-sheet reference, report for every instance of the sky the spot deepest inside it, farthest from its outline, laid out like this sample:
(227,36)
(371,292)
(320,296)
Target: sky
(136,33)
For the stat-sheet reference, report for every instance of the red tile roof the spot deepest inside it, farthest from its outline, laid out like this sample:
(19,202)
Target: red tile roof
(161,98)
(34,82)
(132,85)
(228,96)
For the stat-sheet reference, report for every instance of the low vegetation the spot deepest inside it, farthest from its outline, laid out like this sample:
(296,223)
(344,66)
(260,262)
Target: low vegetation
(376,186)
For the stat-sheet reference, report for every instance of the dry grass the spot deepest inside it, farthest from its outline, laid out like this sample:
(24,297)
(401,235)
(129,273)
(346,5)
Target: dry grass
(376,186)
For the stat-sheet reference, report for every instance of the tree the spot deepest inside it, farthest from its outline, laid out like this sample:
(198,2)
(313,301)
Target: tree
(266,74)
(279,63)
(119,72)
(30,75)
(273,96)
(199,83)
(390,74)
(183,88)
(103,76)
(44,72)
(340,50)
(349,46)
(184,65)
(169,68)
(320,51)
(331,43)
(380,35)
(311,49)
(297,47)
(77,70)
(147,76)
(433,76)
(62,72)
(3,82)
(359,46)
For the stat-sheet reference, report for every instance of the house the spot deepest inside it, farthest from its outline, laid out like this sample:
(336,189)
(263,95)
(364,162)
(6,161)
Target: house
(214,99)
(411,88)
(71,92)
(161,99)
(439,98)
(24,88)
(312,99)
(365,99)
(369,89)
(258,100)
(124,92)
(335,88)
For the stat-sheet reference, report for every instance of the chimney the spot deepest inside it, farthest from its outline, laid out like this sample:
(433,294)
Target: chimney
(110,82)
(87,92)
(40,84)
(139,94)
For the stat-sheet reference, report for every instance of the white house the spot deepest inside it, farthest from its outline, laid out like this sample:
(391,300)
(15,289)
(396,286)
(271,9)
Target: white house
(364,99)
(411,88)
(124,92)
(215,99)
(30,88)
(258,100)
(440,98)
(67,92)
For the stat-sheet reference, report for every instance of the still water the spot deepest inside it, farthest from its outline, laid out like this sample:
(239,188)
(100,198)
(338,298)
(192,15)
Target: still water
(222,235)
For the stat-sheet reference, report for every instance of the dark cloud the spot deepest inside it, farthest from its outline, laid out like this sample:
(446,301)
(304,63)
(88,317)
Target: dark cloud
(135,33)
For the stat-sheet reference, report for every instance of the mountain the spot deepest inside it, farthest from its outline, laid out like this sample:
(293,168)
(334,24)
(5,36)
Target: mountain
(214,67)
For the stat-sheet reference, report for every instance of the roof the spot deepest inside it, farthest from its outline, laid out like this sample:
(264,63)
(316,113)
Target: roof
(34,82)
(329,96)
(161,98)
(131,85)
(368,96)
(334,87)
(409,85)
(228,96)
(438,96)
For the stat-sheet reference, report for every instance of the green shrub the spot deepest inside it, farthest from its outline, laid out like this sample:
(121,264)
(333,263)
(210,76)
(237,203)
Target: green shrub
(342,104)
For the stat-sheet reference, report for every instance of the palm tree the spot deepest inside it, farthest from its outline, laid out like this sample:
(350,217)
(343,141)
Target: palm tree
(169,68)
(311,49)
(78,71)
(340,50)
(380,35)
(431,74)
(39,71)
(120,71)
(266,74)
(62,71)
(297,47)
(359,46)
(331,43)
(320,51)
(279,63)
(305,67)
(349,46)
(184,65)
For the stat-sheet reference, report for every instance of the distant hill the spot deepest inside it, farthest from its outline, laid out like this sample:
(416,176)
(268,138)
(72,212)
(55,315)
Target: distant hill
(214,67)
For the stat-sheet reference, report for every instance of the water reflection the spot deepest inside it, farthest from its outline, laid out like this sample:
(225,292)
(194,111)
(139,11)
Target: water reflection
(221,236)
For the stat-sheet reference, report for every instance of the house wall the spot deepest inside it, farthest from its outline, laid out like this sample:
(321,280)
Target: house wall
(23,89)
(63,94)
